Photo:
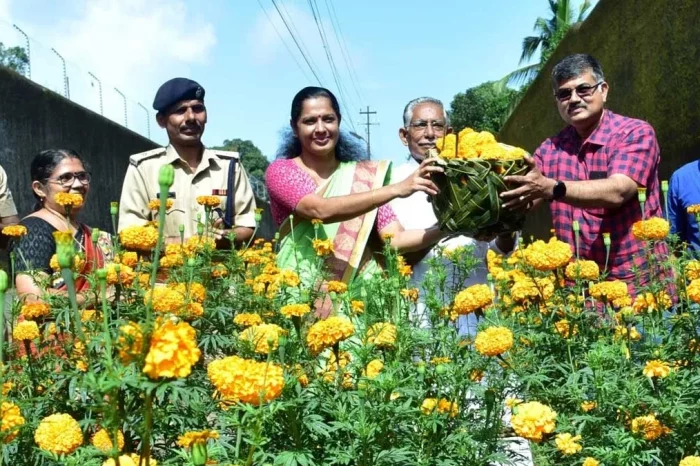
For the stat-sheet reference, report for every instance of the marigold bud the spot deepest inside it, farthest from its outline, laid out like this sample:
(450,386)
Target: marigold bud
(95,235)
(166,176)
(3,281)
(102,274)
(664,186)
(199,454)
(113,208)
(575,225)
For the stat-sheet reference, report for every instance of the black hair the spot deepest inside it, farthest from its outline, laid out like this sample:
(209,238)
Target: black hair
(575,65)
(349,148)
(45,162)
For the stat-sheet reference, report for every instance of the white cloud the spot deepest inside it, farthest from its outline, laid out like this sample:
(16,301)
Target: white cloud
(5,10)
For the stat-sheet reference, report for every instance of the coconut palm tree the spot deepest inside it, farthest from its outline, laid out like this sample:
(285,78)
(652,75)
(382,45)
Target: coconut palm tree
(549,32)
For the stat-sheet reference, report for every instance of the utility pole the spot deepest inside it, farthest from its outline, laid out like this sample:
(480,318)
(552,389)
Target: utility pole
(29,55)
(126,122)
(99,85)
(66,91)
(368,124)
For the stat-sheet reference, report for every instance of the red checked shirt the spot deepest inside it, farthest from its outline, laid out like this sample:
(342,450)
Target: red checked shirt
(619,145)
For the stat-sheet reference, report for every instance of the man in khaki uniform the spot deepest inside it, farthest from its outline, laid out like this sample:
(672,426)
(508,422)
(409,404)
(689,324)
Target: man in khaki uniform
(198,172)
(8,211)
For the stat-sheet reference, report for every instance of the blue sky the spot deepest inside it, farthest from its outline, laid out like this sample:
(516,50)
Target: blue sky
(399,50)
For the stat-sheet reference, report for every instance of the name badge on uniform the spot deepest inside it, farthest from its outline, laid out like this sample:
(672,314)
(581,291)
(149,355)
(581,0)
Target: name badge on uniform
(171,195)
(219,192)
(598,175)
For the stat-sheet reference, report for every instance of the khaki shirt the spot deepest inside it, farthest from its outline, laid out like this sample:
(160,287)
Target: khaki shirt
(141,186)
(7,204)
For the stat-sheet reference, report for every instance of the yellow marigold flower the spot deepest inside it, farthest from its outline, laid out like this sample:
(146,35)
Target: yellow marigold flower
(548,256)
(170,261)
(68,200)
(650,427)
(192,311)
(332,367)
(78,263)
(493,341)
(25,330)
(334,286)
(154,204)
(35,310)
(317,221)
(129,460)
(566,443)
(563,328)
(690,460)
(173,351)
(589,461)
(473,298)
(289,278)
(382,335)
(428,405)
(693,291)
(693,209)
(209,201)
(165,300)
(447,146)
(610,290)
(358,307)
(648,302)
(263,337)
(14,231)
(329,332)
(440,360)
(247,319)
(582,270)
(59,434)
(623,302)
(656,368)
(476,375)
(190,439)
(237,379)
(448,407)
(125,277)
(194,290)
(140,238)
(323,247)
(129,258)
(512,402)
(410,294)
(692,269)
(526,289)
(130,343)
(651,229)
(12,420)
(219,271)
(587,406)
(374,367)
(102,440)
(295,310)
(533,420)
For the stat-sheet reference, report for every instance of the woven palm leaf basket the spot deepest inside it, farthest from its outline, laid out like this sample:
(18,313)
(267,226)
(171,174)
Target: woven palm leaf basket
(475,165)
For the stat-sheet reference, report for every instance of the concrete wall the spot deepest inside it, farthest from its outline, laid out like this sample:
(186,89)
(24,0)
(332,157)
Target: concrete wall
(650,53)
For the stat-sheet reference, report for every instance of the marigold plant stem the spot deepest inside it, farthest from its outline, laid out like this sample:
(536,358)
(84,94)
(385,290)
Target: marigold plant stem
(2,336)
(159,247)
(148,420)
(67,275)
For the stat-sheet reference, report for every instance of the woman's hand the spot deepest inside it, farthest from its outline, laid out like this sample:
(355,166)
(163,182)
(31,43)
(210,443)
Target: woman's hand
(420,180)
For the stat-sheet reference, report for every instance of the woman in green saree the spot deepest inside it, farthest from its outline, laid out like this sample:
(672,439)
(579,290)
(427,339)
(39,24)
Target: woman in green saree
(320,173)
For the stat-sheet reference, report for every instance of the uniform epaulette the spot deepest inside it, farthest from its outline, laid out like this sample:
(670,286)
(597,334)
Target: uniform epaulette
(226,154)
(136,159)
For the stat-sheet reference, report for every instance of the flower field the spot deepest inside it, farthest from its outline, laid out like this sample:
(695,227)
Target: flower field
(191,356)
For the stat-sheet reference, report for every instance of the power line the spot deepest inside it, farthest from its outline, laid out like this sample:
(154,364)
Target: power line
(344,50)
(301,38)
(329,56)
(283,41)
(368,124)
(297,43)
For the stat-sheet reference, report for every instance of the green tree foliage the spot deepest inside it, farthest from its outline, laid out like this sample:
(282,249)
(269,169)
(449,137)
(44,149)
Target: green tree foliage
(482,107)
(252,158)
(14,58)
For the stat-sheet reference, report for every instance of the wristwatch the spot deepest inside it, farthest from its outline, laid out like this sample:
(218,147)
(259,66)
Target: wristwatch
(559,190)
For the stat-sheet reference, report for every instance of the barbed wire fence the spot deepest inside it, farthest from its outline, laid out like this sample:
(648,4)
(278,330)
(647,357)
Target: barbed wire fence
(46,66)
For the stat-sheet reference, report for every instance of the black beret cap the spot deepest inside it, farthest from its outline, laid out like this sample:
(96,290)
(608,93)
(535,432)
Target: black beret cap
(175,90)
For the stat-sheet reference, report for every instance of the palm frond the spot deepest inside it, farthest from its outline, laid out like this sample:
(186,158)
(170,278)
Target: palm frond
(522,75)
(583,10)
(530,45)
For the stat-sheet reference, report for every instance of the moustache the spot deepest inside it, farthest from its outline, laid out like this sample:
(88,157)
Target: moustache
(574,107)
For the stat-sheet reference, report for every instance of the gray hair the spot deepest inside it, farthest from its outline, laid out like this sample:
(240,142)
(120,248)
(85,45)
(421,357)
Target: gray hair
(408,110)
(575,65)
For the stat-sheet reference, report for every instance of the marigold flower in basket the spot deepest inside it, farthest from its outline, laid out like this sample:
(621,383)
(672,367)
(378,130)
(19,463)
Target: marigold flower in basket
(173,351)
(12,420)
(244,380)
(650,427)
(328,332)
(566,443)
(154,204)
(209,201)
(35,310)
(68,200)
(656,369)
(473,298)
(59,434)
(690,461)
(263,337)
(14,231)
(652,229)
(582,270)
(25,331)
(102,440)
(548,256)
(295,310)
(139,238)
(493,341)
(382,335)
(532,420)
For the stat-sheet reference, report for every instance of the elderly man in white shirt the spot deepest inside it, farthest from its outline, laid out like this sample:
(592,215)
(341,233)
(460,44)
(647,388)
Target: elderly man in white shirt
(424,121)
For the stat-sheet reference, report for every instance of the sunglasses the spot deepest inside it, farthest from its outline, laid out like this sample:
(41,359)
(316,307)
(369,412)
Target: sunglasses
(582,90)
(67,179)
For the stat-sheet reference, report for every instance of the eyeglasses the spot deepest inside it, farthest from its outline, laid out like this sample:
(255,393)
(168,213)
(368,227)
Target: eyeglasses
(421,126)
(582,90)
(67,179)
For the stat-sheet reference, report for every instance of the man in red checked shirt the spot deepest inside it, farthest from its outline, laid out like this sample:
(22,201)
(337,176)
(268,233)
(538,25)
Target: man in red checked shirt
(591,170)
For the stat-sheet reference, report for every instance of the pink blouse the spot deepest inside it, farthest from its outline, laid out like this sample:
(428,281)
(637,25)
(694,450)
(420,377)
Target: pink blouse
(287,184)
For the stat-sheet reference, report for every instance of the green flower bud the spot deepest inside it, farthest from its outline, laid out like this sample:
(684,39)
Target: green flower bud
(642,194)
(575,225)
(4,281)
(200,229)
(181,228)
(199,454)
(421,369)
(606,239)
(113,208)
(281,340)
(664,186)
(304,295)
(441,369)
(166,176)
(258,215)
(191,262)
(101,275)
(95,235)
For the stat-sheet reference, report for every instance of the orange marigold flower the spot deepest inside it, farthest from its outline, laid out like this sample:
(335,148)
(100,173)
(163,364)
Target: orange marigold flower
(125,276)
(68,200)
(588,405)
(295,310)
(548,256)
(335,286)
(650,427)
(648,302)
(14,231)
(102,440)
(154,204)
(693,291)
(532,420)
(382,335)
(35,310)
(247,319)
(130,343)
(219,271)
(129,258)
(165,300)
(582,270)
(358,307)
(78,263)
(173,351)
(25,331)
(566,443)
(473,298)
(610,290)
(244,380)
(12,420)
(656,369)
(190,439)
(58,433)
(493,341)
(692,269)
(209,201)
(194,290)
(410,294)
(652,229)
(263,337)
(329,332)
(140,238)
(323,247)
